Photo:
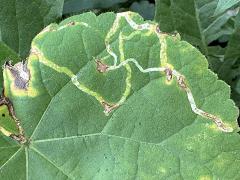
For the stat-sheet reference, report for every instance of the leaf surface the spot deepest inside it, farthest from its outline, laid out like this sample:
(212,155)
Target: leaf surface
(86,117)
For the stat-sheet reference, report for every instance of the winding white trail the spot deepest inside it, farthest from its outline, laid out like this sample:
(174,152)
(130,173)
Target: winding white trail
(119,62)
(169,72)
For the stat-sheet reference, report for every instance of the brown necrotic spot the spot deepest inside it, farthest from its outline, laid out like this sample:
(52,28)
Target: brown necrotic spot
(169,74)
(181,82)
(108,108)
(101,67)
(72,23)
(20,74)
(158,30)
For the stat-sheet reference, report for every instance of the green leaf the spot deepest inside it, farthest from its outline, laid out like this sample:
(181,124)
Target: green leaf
(195,20)
(225,62)
(238,87)
(6,54)
(20,21)
(216,57)
(110,97)
(223,5)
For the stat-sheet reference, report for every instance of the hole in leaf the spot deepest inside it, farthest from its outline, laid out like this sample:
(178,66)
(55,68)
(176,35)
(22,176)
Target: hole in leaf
(234,79)
(216,42)
(152,1)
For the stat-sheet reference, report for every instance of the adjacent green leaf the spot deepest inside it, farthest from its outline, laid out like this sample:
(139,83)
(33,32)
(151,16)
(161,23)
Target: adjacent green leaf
(152,134)
(226,63)
(232,56)
(223,5)
(238,87)
(216,57)
(195,20)
(20,21)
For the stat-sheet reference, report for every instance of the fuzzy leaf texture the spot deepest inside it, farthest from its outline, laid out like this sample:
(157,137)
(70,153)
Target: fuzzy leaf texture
(111,97)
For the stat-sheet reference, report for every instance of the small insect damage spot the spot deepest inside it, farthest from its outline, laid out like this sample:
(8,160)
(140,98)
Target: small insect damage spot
(157,30)
(72,23)
(169,74)
(108,108)
(20,73)
(182,82)
(101,67)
